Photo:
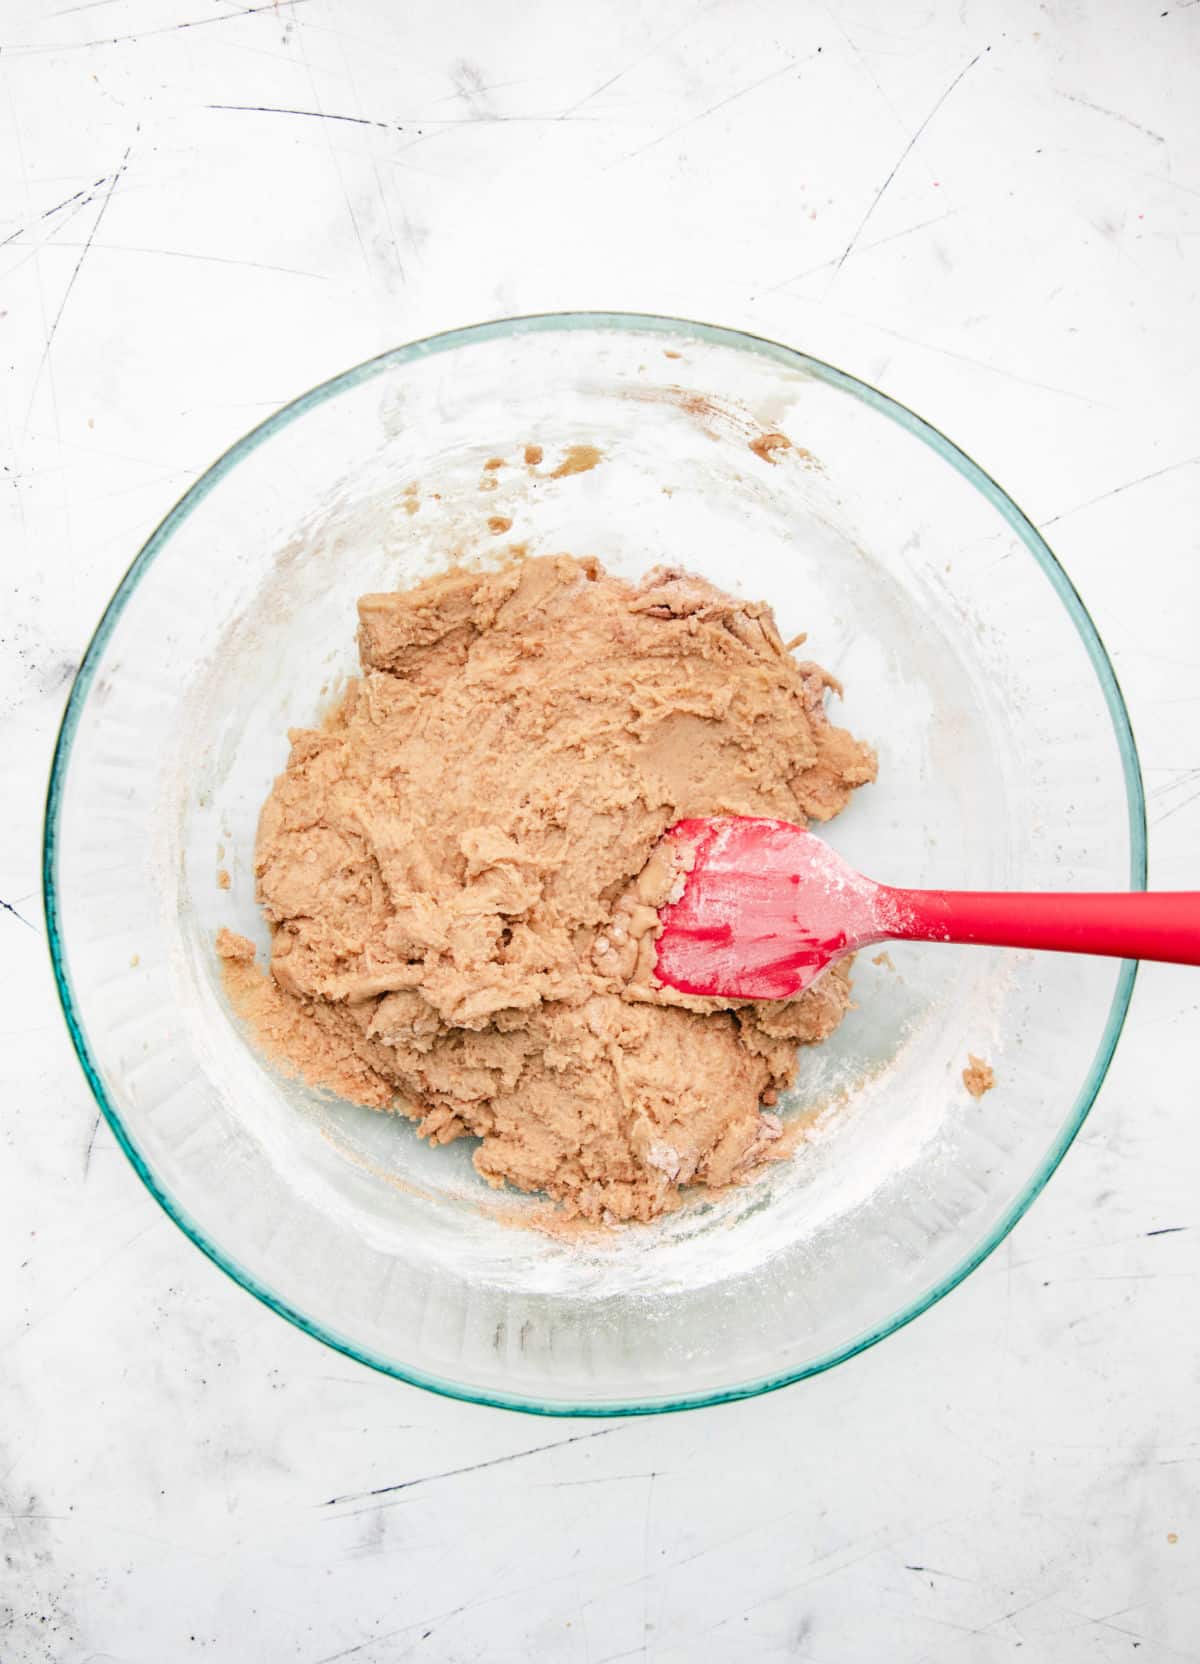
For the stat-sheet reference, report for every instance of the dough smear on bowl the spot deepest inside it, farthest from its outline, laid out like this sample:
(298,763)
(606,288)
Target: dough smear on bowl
(460,869)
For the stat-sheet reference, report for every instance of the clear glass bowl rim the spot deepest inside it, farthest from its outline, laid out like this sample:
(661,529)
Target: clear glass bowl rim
(563,322)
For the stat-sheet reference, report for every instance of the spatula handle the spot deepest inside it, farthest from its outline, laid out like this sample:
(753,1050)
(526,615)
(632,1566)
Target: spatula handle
(1164,925)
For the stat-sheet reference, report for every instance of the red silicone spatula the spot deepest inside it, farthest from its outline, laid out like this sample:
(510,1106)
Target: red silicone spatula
(767,906)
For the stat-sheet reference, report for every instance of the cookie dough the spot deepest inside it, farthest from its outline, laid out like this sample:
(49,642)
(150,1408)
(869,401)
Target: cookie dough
(460,869)
(978,1077)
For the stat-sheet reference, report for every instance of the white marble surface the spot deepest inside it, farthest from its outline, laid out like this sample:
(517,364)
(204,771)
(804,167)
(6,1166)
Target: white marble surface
(990,208)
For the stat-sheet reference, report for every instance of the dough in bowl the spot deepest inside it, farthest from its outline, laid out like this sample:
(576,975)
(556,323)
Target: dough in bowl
(460,869)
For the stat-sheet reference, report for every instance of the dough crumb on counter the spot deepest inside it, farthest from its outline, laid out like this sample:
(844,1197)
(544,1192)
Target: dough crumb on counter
(461,868)
(978,1077)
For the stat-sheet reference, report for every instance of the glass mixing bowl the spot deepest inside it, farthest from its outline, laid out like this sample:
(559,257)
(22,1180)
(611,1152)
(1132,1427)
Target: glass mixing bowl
(1006,760)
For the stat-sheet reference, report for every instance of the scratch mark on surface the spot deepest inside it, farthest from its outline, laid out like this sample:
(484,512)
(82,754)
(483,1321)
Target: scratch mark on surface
(1167,1230)
(1123,1611)
(658,45)
(484,118)
(966,358)
(901,159)
(1132,1277)
(380,193)
(43,309)
(1113,115)
(1142,479)
(58,206)
(65,1300)
(483,87)
(315,115)
(821,1577)
(1183,803)
(721,103)
(53,235)
(88,6)
(374,1641)
(91,1145)
(9,908)
(113,182)
(1005,1617)
(438,1620)
(472,1467)
(1163,179)
(1008,1302)
(602,1479)
(760,1525)
(1087,1621)
(646,1564)
(334,164)
(865,248)
(28,49)
(1183,776)
(190,254)
(861,61)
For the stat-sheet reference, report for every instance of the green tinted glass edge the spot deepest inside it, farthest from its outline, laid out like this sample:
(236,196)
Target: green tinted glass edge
(652,325)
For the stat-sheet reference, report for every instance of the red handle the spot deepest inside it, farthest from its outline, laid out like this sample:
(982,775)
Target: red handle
(1164,925)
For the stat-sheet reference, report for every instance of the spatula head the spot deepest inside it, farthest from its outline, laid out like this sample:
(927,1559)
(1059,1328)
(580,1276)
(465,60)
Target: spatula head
(765,908)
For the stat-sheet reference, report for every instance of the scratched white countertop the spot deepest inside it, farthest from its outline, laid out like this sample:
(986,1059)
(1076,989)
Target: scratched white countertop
(989,208)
